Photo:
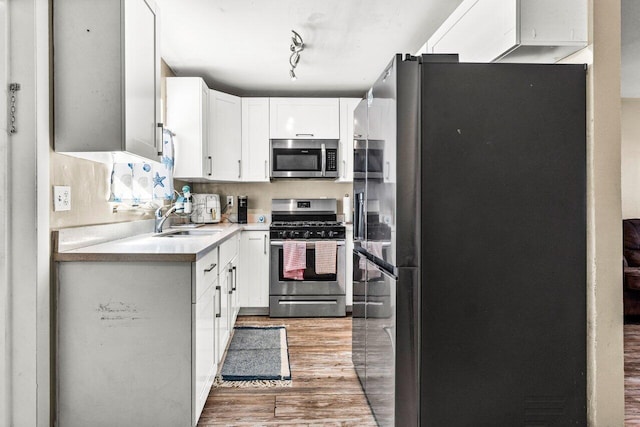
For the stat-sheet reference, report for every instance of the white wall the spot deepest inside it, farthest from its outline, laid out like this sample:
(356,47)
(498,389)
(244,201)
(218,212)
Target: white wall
(630,153)
(4,273)
(605,370)
(605,362)
(27,306)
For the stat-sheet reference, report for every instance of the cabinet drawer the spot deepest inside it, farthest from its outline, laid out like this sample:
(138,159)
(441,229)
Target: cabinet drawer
(206,272)
(228,250)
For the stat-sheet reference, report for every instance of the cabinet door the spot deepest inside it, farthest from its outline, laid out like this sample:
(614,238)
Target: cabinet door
(224,130)
(188,117)
(142,80)
(221,323)
(254,276)
(347,106)
(255,139)
(205,365)
(304,118)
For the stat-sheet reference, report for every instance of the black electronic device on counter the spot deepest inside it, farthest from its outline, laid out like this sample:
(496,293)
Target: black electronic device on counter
(242,209)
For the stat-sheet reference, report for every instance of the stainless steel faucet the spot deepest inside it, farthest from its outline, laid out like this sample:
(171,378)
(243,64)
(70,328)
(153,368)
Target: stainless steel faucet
(160,219)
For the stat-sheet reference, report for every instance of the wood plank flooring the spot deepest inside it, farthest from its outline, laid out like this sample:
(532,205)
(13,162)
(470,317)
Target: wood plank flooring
(632,374)
(325,389)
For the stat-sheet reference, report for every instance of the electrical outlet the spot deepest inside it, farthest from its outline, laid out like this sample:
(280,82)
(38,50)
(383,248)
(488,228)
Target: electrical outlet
(230,200)
(61,198)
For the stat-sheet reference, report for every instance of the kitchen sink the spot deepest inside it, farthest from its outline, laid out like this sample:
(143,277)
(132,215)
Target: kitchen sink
(188,233)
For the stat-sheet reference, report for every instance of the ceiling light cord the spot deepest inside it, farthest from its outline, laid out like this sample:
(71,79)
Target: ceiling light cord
(297,46)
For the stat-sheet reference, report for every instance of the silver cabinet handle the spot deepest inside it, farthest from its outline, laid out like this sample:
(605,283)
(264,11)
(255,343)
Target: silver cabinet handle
(323,153)
(344,168)
(159,144)
(357,135)
(219,291)
(235,278)
(265,244)
(211,267)
(304,134)
(210,166)
(230,271)
(388,170)
(265,169)
(239,168)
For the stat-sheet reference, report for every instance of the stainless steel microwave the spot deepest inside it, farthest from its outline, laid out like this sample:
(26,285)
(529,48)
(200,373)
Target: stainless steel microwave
(304,158)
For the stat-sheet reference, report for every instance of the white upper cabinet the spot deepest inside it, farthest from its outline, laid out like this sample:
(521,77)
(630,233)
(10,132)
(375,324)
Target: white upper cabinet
(255,139)
(188,118)
(304,118)
(345,167)
(542,31)
(107,80)
(225,112)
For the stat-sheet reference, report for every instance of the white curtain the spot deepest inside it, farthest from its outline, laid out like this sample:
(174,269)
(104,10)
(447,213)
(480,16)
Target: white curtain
(139,183)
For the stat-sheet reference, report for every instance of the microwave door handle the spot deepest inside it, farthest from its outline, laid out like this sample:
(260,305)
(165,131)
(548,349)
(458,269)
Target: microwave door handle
(323,153)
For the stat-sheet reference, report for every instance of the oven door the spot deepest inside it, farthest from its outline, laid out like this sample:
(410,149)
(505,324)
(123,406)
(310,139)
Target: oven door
(313,283)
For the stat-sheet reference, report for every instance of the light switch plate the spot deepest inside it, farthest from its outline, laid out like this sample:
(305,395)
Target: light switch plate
(61,198)
(230,200)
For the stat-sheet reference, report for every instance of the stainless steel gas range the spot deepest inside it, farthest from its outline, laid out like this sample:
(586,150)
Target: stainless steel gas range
(300,224)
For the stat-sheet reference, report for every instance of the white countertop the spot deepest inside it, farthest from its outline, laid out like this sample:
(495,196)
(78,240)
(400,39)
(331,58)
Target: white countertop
(154,247)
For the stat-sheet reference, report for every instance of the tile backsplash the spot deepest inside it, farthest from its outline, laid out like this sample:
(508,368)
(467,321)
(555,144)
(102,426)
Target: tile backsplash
(260,194)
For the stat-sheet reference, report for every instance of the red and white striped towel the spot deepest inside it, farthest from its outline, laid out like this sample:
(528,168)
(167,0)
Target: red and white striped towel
(295,259)
(326,257)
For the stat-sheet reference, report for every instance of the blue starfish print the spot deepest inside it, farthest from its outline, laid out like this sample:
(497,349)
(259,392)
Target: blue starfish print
(157,180)
(167,161)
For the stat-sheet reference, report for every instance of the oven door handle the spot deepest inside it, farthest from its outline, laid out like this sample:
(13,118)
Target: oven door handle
(310,243)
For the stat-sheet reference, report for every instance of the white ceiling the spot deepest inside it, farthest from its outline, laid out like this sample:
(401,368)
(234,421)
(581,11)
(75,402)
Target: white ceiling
(242,46)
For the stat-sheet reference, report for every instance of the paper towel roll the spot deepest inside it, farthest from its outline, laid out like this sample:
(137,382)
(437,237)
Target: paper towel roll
(346,208)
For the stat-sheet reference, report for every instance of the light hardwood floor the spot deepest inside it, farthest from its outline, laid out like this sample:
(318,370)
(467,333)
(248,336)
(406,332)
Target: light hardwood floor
(632,375)
(325,390)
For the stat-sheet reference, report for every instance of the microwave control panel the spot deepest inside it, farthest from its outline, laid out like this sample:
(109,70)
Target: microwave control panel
(332,160)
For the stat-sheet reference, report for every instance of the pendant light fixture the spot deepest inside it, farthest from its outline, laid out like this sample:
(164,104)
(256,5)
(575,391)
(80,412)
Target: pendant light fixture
(297,46)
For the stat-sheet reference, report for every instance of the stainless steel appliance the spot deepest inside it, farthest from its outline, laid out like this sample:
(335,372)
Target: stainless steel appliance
(317,295)
(206,208)
(304,158)
(469,242)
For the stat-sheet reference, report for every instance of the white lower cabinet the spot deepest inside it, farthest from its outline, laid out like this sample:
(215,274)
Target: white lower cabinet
(205,366)
(227,305)
(144,339)
(125,350)
(253,276)
(205,363)
(222,315)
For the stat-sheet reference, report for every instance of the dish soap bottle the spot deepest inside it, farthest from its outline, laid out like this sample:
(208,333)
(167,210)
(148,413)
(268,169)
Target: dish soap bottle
(188,200)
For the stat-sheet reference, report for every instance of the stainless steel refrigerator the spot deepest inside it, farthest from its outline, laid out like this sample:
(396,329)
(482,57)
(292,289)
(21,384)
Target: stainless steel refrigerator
(469,293)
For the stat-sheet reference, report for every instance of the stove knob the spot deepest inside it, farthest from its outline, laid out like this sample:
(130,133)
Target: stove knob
(331,233)
(281,234)
(321,232)
(307,234)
